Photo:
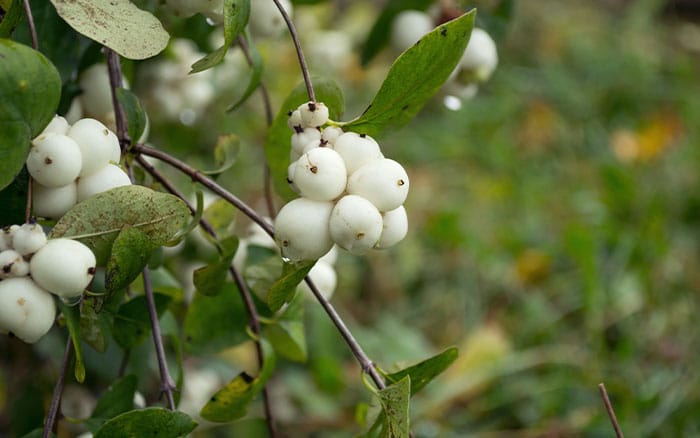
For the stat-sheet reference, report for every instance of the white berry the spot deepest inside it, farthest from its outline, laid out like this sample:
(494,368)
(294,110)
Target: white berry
(28,239)
(54,159)
(290,176)
(96,98)
(26,310)
(109,177)
(64,267)
(324,278)
(12,264)
(330,134)
(53,202)
(481,55)
(331,256)
(383,182)
(300,139)
(6,235)
(301,229)
(313,114)
(394,229)
(356,150)
(58,124)
(408,27)
(97,144)
(265,18)
(320,174)
(294,120)
(355,224)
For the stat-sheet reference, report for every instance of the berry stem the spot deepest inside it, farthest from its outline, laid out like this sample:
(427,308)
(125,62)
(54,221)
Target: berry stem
(609,409)
(167,385)
(360,355)
(115,81)
(51,416)
(254,322)
(300,53)
(30,23)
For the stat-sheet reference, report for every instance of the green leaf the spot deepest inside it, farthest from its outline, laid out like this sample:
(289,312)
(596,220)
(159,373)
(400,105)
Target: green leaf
(277,145)
(116,400)
(415,76)
(210,280)
(221,215)
(98,220)
(422,373)
(148,422)
(13,198)
(256,64)
(287,334)
(236,13)
(132,322)
(135,115)
(117,24)
(72,315)
(283,290)
(215,322)
(395,403)
(225,153)
(13,15)
(231,402)
(130,253)
(30,89)
(380,34)
(94,327)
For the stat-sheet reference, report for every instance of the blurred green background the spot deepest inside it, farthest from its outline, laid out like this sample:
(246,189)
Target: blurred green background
(554,234)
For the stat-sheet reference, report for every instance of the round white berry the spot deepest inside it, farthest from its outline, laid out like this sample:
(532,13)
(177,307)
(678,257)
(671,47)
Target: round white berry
(331,256)
(96,96)
(290,177)
(12,264)
(313,114)
(324,278)
(6,235)
(63,267)
(26,310)
(330,134)
(356,150)
(109,177)
(54,159)
(394,229)
(300,139)
(320,174)
(28,239)
(408,27)
(53,202)
(383,182)
(97,144)
(355,224)
(75,111)
(265,18)
(301,229)
(294,120)
(481,55)
(58,124)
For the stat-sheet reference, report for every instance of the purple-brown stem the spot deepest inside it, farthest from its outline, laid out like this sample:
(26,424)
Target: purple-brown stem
(51,416)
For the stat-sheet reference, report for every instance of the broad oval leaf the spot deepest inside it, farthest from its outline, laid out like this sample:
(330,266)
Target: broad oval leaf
(72,316)
(98,220)
(279,136)
(210,279)
(150,422)
(422,373)
(395,404)
(130,253)
(13,16)
(132,323)
(287,334)
(135,115)
(215,322)
(283,290)
(118,24)
(30,88)
(415,76)
(117,399)
(236,13)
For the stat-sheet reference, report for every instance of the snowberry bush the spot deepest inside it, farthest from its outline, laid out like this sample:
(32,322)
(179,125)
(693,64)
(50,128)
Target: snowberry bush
(99,230)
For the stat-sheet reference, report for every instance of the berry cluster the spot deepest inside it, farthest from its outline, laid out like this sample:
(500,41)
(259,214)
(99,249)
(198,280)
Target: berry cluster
(351,194)
(32,266)
(71,163)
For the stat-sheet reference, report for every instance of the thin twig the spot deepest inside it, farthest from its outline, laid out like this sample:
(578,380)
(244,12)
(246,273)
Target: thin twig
(611,412)
(254,319)
(115,81)
(300,53)
(50,421)
(30,23)
(167,385)
(355,347)
(28,206)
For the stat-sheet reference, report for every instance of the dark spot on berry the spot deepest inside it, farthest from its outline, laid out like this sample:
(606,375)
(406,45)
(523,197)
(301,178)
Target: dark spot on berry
(246,377)
(106,132)
(289,113)
(314,169)
(323,143)
(48,160)
(312,106)
(21,301)
(298,129)
(289,181)
(360,236)
(363,135)
(7,268)
(91,270)
(285,243)
(443,31)
(401,182)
